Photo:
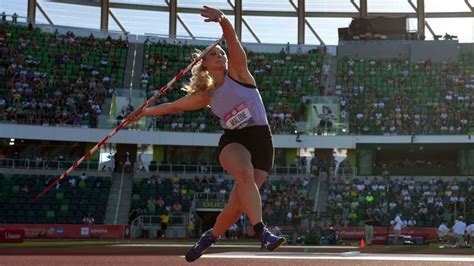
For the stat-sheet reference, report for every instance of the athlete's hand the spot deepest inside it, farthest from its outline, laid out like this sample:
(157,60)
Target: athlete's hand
(211,14)
(135,115)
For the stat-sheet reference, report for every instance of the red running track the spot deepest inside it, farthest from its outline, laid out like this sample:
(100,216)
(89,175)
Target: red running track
(178,260)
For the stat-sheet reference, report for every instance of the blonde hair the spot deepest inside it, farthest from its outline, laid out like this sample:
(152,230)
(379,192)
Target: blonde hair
(201,80)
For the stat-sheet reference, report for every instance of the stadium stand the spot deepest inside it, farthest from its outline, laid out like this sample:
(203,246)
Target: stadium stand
(67,203)
(53,79)
(152,197)
(285,201)
(281,198)
(282,78)
(396,97)
(421,203)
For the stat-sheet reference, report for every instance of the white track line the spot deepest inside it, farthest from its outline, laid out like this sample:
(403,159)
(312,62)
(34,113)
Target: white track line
(232,246)
(338,256)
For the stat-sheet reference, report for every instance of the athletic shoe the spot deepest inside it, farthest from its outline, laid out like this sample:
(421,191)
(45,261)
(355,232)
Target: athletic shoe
(206,240)
(270,241)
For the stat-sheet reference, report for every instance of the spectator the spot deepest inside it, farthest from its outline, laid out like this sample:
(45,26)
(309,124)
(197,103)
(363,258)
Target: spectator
(397,227)
(203,169)
(442,232)
(164,223)
(412,221)
(459,228)
(175,179)
(88,219)
(369,198)
(219,180)
(177,208)
(134,213)
(72,182)
(191,228)
(233,232)
(83,176)
(160,202)
(222,194)
(197,180)
(128,161)
(470,234)
(369,222)
(151,207)
(25,188)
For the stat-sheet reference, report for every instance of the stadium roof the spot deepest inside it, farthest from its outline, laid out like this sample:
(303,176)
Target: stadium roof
(268,21)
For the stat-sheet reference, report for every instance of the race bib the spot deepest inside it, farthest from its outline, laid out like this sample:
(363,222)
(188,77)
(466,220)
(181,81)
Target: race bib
(238,117)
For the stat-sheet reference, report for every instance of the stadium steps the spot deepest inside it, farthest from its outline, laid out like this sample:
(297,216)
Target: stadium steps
(332,61)
(125,199)
(105,108)
(323,198)
(133,72)
(104,117)
(313,190)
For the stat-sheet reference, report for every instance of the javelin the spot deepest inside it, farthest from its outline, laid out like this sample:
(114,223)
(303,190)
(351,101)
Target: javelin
(125,121)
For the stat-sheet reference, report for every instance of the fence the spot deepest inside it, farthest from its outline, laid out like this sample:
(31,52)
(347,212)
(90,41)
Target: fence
(46,164)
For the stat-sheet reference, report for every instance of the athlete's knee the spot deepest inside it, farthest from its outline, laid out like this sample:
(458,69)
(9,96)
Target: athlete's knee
(244,174)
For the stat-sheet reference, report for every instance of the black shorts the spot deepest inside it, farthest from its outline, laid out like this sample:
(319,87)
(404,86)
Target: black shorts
(164,226)
(256,139)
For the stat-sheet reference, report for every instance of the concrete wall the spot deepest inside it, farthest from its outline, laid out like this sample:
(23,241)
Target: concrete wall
(205,139)
(437,51)
(466,48)
(373,50)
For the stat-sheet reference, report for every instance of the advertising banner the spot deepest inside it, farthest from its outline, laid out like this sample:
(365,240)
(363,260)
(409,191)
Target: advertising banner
(69,230)
(11,235)
(380,233)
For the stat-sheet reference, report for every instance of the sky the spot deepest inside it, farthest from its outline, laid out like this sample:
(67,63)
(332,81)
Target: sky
(268,29)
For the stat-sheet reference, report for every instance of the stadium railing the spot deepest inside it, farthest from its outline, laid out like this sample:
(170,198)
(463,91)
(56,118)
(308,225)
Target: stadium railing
(149,225)
(46,164)
(342,171)
(158,169)
(210,196)
(208,169)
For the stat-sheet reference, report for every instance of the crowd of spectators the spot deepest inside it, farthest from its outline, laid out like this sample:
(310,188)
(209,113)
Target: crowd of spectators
(282,78)
(285,200)
(295,69)
(282,117)
(428,166)
(56,79)
(322,166)
(420,203)
(160,196)
(394,97)
(159,68)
